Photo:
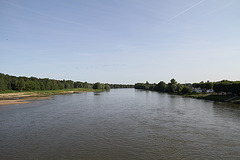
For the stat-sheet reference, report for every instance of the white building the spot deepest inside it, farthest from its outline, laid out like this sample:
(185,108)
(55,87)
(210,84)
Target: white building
(210,91)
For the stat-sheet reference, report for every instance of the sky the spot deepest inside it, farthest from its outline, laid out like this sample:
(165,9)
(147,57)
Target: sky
(121,41)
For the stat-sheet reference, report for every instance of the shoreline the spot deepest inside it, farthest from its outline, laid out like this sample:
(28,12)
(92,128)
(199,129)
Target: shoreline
(216,98)
(234,99)
(26,97)
(21,100)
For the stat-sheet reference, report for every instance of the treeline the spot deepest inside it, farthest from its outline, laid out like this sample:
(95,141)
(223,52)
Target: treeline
(171,87)
(121,85)
(203,85)
(108,86)
(227,86)
(8,82)
(174,87)
(221,86)
(102,86)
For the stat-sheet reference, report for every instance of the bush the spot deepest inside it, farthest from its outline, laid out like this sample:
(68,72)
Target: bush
(186,89)
(97,86)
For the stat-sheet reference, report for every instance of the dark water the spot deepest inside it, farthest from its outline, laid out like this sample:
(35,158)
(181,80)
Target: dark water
(120,124)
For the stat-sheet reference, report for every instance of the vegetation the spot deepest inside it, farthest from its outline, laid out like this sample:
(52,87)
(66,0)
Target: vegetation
(43,93)
(171,87)
(9,84)
(216,97)
(227,86)
(98,85)
(186,90)
(226,91)
(63,91)
(30,84)
(121,86)
(232,87)
(205,85)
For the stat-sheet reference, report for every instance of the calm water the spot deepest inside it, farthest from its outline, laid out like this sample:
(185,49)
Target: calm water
(120,124)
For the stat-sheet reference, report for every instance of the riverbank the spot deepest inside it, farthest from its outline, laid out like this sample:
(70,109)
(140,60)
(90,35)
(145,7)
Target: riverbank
(25,97)
(215,97)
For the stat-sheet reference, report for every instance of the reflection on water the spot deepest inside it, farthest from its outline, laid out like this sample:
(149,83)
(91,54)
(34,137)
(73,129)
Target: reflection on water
(120,124)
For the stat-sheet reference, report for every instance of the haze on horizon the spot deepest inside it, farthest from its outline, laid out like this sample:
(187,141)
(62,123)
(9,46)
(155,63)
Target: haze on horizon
(125,41)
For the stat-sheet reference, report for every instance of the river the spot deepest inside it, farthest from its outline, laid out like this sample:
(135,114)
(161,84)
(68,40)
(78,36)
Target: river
(120,124)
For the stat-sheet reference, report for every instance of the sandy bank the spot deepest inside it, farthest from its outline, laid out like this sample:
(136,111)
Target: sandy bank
(20,101)
(20,98)
(6,102)
(25,97)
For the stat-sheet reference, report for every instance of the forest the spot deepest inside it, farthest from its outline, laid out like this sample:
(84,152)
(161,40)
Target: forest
(174,87)
(8,82)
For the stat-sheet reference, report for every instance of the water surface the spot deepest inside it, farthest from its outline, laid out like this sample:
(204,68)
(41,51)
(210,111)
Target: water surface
(120,124)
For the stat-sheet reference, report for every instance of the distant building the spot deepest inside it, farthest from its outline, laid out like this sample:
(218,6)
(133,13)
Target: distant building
(210,91)
(198,90)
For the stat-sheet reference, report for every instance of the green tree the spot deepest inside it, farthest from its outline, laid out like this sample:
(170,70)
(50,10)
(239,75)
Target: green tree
(20,84)
(29,85)
(186,89)
(85,85)
(147,85)
(172,86)
(107,87)
(97,85)
(3,85)
(179,88)
(173,81)
(161,86)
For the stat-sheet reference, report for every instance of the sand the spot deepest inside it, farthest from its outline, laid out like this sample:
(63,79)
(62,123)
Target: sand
(25,97)
(19,98)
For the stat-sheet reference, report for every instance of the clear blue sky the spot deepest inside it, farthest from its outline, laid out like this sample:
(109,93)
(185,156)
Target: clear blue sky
(121,41)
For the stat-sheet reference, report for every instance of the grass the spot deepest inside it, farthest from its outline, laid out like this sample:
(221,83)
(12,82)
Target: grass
(10,91)
(52,92)
(65,91)
(237,101)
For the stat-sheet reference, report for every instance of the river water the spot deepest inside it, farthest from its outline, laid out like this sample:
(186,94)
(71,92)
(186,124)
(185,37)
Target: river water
(124,124)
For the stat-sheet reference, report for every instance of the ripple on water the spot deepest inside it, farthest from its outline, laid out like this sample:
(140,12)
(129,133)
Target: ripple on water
(120,124)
